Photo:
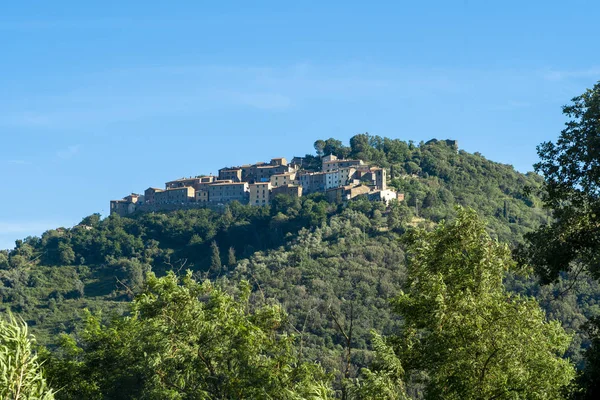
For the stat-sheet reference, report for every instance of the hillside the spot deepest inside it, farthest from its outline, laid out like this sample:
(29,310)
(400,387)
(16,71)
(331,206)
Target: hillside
(324,262)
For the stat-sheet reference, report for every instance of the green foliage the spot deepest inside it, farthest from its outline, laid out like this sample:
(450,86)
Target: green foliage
(385,381)
(231,260)
(215,259)
(588,381)
(320,261)
(21,376)
(462,328)
(435,176)
(349,267)
(572,191)
(571,241)
(186,340)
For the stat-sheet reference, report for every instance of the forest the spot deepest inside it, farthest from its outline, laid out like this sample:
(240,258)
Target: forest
(482,284)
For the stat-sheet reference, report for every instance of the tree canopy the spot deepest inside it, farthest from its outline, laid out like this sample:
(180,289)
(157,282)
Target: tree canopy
(186,340)
(464,335)
(571,168)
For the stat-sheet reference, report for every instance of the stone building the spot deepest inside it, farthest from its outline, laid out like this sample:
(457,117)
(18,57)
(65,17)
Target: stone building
(225,192)
(183,182)
(202,195)
(288,178)
(257,183)
(196,182)
(332,179)
(234,174)
(288,190)
(372,176)
(125,206)
(384,195)
(331,163)
(298,162)
(312,182)
(348,192)
(179,195)
(149,194)
(259,193)
(380,178)
(263,173)
(279,161)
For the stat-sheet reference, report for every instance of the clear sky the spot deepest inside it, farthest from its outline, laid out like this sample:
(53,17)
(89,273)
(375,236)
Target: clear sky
(102,98)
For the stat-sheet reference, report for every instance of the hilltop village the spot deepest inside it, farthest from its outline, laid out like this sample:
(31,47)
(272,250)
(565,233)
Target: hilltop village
(256,184)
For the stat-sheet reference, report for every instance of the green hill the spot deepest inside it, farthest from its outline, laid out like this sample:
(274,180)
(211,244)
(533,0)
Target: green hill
(326,263)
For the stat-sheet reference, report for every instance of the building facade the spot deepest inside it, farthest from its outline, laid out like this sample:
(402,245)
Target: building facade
(149,194)
(259,193)
(256,184)
(127,205)
(233,174)
(226,192)
(288,178)
(178,195)
(312,182)
(279,161)
(288,190)
(331,163)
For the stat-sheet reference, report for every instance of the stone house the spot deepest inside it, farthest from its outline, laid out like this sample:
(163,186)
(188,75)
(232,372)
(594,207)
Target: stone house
(225,192)
(259,193)
(178,195)
(288,190)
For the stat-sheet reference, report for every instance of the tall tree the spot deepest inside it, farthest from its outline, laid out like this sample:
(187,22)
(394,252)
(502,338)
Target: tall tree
(571,241)
(320,147)
(215,258)
(464,332)
(231,260)
(571,167)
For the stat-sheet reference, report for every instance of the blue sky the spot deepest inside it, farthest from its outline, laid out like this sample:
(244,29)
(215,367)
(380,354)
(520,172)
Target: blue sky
(99,99)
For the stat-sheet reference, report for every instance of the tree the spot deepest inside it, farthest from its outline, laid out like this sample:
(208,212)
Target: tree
(398,216)
(187,340)
(463,330)
(589,381)
(91,220)
(231,261)
(66,255)
(215,258)
(21,376)
(572,191)
(360,146)
(571,167)
(4,260)
(319,147)
(129,273)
